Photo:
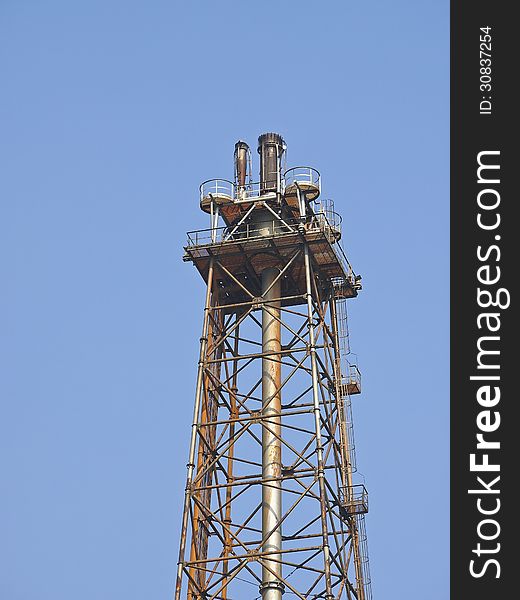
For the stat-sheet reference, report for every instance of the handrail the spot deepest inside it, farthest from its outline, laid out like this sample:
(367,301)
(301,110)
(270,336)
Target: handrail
(354,495)
(247,231)
(232,234)
(250,190)
(302,175)
(224,187)
(216,187)
(354,373)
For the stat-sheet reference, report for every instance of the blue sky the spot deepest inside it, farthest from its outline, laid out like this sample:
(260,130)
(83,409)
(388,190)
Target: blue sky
(111,114)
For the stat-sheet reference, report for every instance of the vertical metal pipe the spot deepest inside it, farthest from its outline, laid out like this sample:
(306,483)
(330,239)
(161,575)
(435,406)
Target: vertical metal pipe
(271,587)
(317,425)
(241,156)
(193,439)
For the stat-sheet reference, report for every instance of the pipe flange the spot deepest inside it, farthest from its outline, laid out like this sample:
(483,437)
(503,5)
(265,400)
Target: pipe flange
(272,585)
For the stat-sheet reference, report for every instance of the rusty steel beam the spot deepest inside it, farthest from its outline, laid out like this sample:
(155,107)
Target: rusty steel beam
(199,541)
(194,426)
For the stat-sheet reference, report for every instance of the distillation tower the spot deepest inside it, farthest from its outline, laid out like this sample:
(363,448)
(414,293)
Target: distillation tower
(272,503)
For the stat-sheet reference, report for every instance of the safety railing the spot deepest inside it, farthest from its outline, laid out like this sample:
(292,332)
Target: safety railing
(363,557)
(224,189)
(340,284)
(324,209)
(350,382)
(349,428)
(304,176)
(217,188)
(354,499)
(253,230)
(246,231)
(354,376)
(345,404)
(342,320)
(249,191)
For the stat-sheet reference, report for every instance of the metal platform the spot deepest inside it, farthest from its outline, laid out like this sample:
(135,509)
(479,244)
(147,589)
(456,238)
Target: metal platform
(350,383)
(243,252)
(354,499)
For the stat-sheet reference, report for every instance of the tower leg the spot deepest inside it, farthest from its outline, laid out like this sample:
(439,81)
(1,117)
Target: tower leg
(193,438)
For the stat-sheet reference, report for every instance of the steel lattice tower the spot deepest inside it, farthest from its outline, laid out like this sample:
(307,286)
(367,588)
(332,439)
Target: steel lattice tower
(271,504)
